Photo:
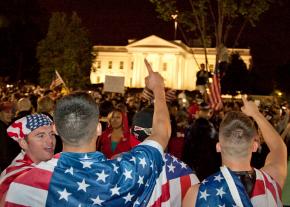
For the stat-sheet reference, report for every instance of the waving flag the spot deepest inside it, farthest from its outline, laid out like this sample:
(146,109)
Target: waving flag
(57,81)
(215,92)
(89,179)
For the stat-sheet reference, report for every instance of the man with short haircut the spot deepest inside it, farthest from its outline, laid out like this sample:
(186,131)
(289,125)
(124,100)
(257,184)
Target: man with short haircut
(238,184)
(80,176)
(35,136)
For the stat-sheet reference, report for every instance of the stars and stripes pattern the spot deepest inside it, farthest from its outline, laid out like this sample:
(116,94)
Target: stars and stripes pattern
(57,81)
(21,164)
(78,179)
(215,92)
(22,127)
(214,191)
(180,178)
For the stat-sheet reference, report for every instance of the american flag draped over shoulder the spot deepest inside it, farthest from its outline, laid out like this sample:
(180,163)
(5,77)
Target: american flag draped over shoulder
(266,192)
(214,191)
(215,91)
(180,178)
(78,179)
(21,164)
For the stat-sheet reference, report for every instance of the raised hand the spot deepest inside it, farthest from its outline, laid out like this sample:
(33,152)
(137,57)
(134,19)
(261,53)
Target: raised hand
(154,80)
(249,108)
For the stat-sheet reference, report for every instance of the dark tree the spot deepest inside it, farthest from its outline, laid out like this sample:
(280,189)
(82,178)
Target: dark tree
(282,77)
(67,49)
(236,77)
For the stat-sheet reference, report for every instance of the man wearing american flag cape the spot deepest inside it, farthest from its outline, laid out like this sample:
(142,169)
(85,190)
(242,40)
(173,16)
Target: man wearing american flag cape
(35,136)
(238,183)
(79,176)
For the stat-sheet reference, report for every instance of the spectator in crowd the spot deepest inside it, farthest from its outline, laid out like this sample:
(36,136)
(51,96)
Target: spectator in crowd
(238,184)
(80,176)
(117,137)
(199,150)
(24,108)
(9,149)
(45,105)
(202,77)
(35,136)
(180,177)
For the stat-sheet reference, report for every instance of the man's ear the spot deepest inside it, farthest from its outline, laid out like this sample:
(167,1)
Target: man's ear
(255,146)
(54,129)
(218,147)
(23,144)
(99,129)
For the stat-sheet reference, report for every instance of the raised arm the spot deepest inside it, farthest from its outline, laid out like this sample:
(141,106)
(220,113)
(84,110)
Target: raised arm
(276,161)
(161,128)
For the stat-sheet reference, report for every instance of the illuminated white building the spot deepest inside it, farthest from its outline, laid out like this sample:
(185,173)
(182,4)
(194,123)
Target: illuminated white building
(177,62)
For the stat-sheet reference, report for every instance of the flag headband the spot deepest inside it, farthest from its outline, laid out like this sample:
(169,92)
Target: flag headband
(24,126)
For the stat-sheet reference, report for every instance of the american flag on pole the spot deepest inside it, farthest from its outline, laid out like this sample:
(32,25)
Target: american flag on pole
(57,81)
(215,92)
(215,191)
(89,179)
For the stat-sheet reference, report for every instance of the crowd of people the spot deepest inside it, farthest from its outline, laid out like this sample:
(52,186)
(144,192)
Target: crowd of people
(155,147)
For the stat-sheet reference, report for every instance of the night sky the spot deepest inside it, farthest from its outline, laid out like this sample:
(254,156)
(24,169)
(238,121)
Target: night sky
(113,22)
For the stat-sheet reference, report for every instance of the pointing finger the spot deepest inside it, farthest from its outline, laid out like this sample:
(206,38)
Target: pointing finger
(244,98)
(148,66)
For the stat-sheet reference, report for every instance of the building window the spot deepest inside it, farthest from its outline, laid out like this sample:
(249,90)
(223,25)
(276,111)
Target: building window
(121,65)
(164,67)
(94,69)
(132,65)
(110,64)
(98,79)
(99,64)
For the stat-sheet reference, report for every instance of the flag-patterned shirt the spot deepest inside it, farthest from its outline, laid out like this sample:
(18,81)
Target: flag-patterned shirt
(180,178)
(21,164)
(89,179)
(214,192)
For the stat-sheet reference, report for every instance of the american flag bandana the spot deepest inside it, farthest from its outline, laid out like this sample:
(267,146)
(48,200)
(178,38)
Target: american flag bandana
(215,192)
(22,127)
(89,179)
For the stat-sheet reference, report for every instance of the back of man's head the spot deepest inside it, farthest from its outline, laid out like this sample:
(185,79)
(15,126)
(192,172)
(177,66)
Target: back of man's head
(76,118)
(236,134)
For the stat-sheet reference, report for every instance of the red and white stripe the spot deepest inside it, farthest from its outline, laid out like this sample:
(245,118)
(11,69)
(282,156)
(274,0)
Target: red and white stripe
(34,191)
(215,93)
(267,192)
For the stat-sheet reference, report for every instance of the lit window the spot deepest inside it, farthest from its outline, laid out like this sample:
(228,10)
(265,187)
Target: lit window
(98,64)
(132,65)
(98,79)
(121,65)
(110,65)
(164,67)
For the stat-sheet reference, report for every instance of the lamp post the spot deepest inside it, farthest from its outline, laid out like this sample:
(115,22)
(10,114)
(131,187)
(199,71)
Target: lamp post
(174,17)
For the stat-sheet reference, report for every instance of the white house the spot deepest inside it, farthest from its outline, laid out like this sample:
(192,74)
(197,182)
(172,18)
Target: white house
(177,62)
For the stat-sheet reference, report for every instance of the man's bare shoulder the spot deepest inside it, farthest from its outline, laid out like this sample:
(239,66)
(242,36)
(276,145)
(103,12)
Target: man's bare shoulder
(190,197)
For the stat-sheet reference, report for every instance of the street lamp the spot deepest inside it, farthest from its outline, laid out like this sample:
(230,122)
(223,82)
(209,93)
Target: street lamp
(174,17)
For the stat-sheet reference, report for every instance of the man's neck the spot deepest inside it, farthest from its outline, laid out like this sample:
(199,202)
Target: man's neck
(79,149)
(237,165)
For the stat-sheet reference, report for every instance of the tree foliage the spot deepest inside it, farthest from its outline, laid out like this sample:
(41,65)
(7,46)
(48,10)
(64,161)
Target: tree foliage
(236,76)
(214,18)
(67,49)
